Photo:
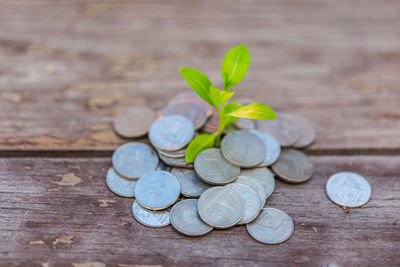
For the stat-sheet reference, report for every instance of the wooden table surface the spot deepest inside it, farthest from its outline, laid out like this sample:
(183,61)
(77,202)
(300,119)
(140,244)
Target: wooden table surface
(67,67)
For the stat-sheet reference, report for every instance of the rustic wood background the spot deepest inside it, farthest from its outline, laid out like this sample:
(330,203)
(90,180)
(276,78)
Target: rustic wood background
(67,67)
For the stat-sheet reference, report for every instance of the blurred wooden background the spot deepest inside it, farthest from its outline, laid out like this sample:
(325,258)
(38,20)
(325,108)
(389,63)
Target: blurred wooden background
(67,67)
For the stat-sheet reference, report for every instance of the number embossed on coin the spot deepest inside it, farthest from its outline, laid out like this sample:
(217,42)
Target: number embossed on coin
(193,111)
(185,219)
(272,147)
(157,190)
(212,168)
(134,122)
(133,160)
(271,227)
(171,133)
(243,149)
(293,166)
(220,207)
(262,175)
(191,184)
(252,202)
(150,218)
(307,132)
(348,189)
(119,185)
(284,128)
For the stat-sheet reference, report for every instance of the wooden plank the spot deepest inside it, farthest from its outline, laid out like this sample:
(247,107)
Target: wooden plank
(59,211)
(66,68)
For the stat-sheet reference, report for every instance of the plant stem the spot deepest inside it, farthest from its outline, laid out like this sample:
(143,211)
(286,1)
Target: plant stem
(220,125)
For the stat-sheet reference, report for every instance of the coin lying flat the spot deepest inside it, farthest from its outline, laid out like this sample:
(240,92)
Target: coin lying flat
(191,185)
(284,128)
(307,132)
(262,175)
(150,218)
(173,154)
(212,168)
(171,133)
(252,202)
(157,190)
(255,185)
(293,166)
(243,149)
(211,125)
(220,207)
(271,227)
(193,111)
(272,147)
(176,162)
(193,97)
(348,189)
(133,160)
(245,124)
(162,167)
(134,122)
(185,219)
(119,185)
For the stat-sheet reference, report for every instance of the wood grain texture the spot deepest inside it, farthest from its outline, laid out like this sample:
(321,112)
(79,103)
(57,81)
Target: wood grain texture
(59,211)
(67,67)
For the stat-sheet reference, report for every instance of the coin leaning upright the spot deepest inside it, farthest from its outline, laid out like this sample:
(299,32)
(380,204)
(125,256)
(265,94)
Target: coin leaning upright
(185,219)
(157,190)
(220,207)
(212,168)
(243,149)
(134,159)
(134,122)
(119,185)
(271,227)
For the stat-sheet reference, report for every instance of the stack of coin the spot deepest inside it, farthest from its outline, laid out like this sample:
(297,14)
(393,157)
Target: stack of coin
(225,186)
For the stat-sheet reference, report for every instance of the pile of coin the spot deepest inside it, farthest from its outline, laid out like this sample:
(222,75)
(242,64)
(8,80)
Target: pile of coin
(225,186)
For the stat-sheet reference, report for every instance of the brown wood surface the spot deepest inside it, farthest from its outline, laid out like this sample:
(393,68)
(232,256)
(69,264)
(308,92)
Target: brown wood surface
(68,67)
(91,224)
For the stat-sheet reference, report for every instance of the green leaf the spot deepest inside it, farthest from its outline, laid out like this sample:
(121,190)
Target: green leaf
(230,107)
(218,96)
(198,81)
(256,111)
(235,65)
(200,143)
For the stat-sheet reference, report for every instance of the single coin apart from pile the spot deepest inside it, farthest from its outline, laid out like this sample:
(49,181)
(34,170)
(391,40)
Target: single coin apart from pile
(157,190)
(134,159)
(171,133)
(119,185)
(150,218)
(307,132)
(271,227)
(284,128)
(272,147)
(191,184)
(348,189)
(220,207)
(193,111)
(134,122)
(242,148)
(293,166)
(185,219)
(262,175)
(212,168)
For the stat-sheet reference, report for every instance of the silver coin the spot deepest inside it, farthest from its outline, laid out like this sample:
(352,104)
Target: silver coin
(191,184)
(193,111)
(284,128)
(171,133)
(173,154)
(151,218)
(162,167)
(271,227)
(157,190)
(185,219)
(220,207)
(243,149)
(348,189)
(175,162)
(133,160)
(307,132)
(262,175)
(134,122)
(252,202)
(193,97)
(245,124)
(272,147)
(255,185)
(212,168)
(293,166)
(211,125)
(119,185)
